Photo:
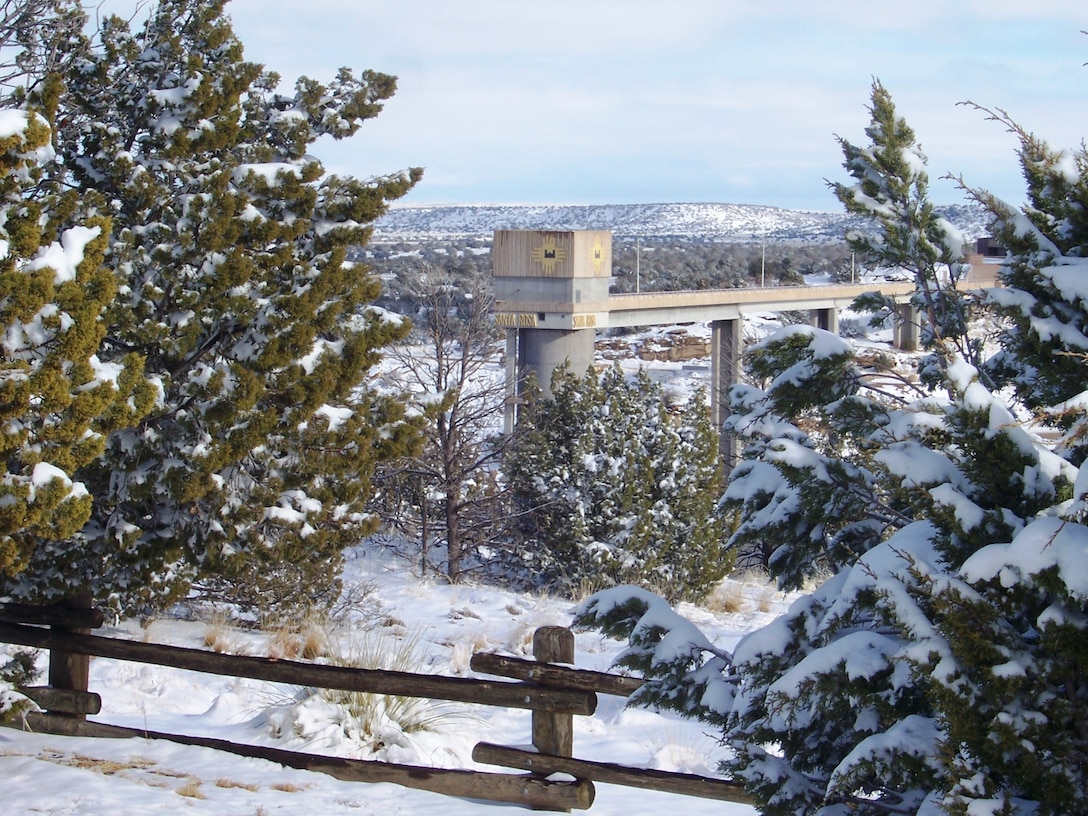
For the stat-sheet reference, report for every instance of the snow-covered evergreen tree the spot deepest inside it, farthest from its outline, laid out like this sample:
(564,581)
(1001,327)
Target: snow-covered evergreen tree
(1020,626)
(940,667)
(230,243)
(891,190)
(621,491)
(1046,343)
(805,476)
(58,398)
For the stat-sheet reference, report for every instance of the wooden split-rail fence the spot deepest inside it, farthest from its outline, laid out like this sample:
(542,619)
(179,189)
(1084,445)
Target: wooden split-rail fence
(554,693)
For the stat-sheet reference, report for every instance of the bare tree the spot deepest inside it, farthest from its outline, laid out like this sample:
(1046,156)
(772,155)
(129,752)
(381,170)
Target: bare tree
(451,495)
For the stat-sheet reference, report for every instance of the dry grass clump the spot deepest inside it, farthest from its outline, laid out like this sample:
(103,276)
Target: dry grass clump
(726,598)
(288,787)
(283,638)
(462,650)
(744,592)
(219,635)
(371,713)
(107,767)
(223,782)
(307,640)
(765,598)
(191,788)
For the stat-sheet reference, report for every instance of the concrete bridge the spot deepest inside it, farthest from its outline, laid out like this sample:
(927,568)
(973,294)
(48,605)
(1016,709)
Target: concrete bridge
(551,295)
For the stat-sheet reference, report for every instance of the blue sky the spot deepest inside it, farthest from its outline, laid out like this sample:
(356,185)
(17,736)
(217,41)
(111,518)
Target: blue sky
(645,101)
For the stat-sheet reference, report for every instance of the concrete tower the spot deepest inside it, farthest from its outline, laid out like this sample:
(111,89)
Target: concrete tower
(551,295)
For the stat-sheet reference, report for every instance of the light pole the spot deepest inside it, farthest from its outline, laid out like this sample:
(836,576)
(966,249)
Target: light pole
(763,263)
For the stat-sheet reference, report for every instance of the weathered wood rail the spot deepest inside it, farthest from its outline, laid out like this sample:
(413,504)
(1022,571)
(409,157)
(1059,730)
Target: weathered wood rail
(554,693)
(518,789)
(343,678)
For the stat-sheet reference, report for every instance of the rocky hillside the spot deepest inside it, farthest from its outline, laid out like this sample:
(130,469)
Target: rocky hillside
(716,222)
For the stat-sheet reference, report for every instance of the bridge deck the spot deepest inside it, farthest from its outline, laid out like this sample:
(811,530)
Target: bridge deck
(656,308)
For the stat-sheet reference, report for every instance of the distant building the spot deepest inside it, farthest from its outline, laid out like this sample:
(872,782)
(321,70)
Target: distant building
(983,262)
(989,248)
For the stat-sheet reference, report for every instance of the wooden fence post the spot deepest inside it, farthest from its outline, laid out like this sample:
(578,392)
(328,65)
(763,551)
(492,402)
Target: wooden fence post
(553,732)
(67,671)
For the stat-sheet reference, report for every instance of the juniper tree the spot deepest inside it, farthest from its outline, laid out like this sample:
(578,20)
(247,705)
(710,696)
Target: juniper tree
(1018,626)
(621,490)
(58,398)
(1046,342)
(230,243)
(891,192)
(40,40)
(550,482)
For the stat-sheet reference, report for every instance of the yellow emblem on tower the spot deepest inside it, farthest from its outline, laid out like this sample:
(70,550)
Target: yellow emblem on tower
(597,256)
(549,255)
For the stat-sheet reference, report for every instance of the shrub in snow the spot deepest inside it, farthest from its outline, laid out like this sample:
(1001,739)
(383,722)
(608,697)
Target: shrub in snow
(19,671)
(618,490)
(941,667)
(358,723)
(449,496)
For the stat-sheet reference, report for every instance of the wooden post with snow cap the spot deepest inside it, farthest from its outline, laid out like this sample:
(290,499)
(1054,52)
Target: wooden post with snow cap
(553,732)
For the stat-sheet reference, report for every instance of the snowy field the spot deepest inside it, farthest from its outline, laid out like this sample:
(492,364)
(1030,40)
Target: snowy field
(63,775)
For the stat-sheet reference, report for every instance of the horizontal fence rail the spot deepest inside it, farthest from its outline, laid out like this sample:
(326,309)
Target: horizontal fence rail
(51,615)
(557,676)
(516,789)
(405,684)
(647,779)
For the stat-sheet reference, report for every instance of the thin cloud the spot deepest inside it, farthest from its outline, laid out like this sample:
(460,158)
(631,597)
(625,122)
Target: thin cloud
(728,100)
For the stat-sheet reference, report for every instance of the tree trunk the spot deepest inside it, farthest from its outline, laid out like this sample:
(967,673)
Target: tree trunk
(424,529)
(454,552)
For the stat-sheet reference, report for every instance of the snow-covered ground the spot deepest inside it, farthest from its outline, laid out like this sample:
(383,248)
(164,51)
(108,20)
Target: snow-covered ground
(63,775)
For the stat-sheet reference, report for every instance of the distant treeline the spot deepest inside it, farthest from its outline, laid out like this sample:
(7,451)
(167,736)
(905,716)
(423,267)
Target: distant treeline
(644,264)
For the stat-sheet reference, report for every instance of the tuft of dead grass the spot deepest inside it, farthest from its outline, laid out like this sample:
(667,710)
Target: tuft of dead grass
(191,788)
(765,598)
(107,767)
(726,598)
(288,787)
(223,782)
(307,640)
(219,636)
(748,591)
(462,650)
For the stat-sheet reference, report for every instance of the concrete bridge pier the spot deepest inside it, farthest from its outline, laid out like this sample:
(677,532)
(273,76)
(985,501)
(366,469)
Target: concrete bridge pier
(540,352)
(510,401)
(908,328)
(826,319)
(727,344)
